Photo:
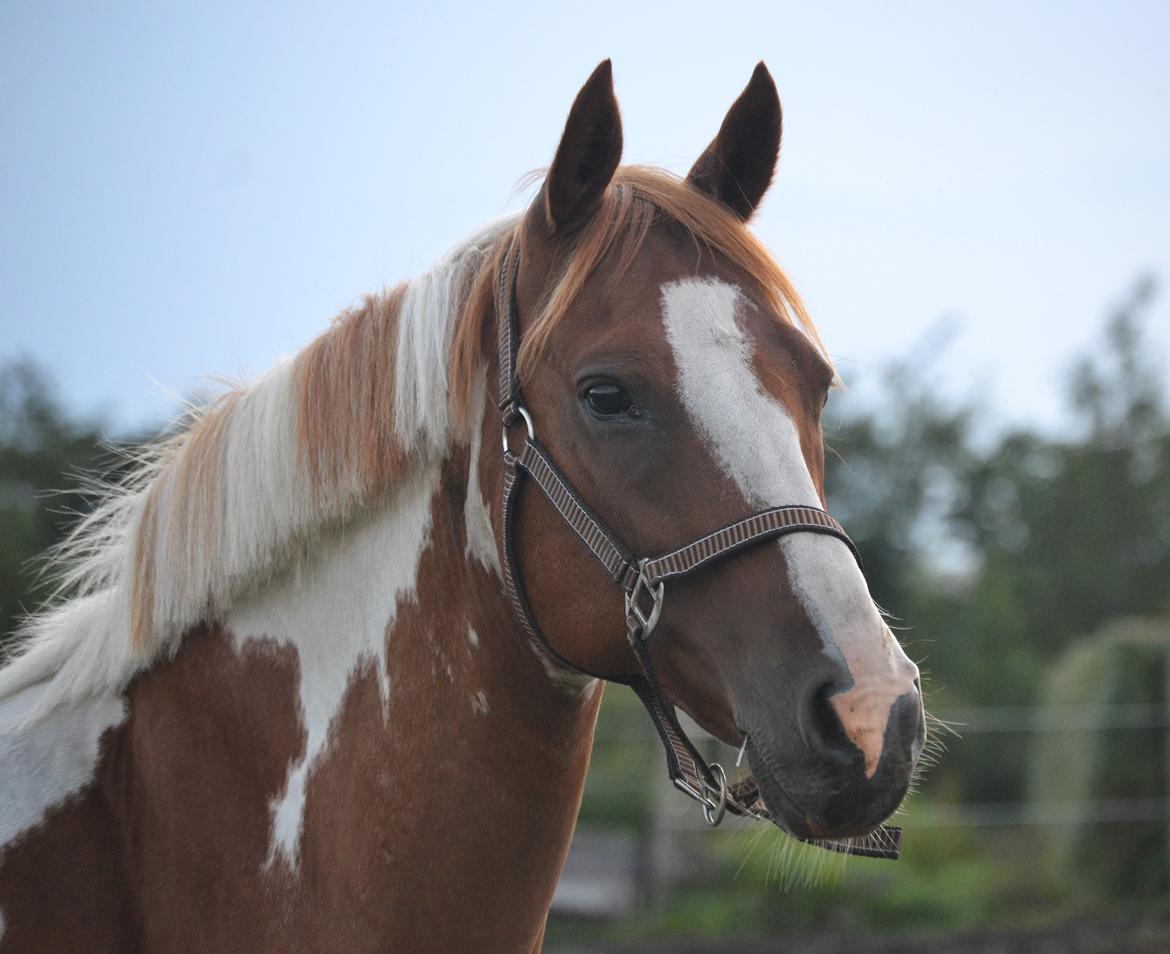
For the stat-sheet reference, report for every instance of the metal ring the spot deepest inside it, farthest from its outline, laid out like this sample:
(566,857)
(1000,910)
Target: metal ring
(527,423)
(715,809)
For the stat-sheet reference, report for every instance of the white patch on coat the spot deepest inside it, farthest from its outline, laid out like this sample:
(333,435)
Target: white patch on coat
(472,638)
(479,702)
(568,680)
(477,519)
(44,761)
(754,439)
(336,608)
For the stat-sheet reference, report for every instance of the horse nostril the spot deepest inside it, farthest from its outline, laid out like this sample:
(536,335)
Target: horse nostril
(911,722)
(824,726)
(839,723)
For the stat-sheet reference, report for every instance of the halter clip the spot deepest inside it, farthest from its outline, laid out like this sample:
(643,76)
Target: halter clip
(713,798)
(641,620)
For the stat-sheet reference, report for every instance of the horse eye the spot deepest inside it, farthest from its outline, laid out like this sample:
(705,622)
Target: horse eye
(608,400)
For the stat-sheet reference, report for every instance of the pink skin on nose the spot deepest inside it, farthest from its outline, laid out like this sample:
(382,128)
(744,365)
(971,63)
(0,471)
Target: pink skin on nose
(864,708)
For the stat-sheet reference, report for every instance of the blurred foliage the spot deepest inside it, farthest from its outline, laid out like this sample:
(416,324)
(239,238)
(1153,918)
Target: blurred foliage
(941,884)
(1071,532)
(1123,665)
(1066,532)
(43,453)
(619,787)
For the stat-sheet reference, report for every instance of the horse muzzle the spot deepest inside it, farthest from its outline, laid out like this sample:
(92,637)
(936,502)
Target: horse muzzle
(818,783)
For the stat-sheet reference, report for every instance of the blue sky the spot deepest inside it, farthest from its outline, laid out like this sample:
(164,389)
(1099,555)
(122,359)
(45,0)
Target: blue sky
(190,190)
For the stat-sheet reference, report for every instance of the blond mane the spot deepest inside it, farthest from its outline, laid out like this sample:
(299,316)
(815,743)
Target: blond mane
(249,481)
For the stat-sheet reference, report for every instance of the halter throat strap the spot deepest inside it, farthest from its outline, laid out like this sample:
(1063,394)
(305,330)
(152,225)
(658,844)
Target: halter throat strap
(643,583)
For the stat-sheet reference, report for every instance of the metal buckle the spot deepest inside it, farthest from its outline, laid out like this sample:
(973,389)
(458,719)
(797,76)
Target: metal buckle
(712,799)
(638,619)
(510,419)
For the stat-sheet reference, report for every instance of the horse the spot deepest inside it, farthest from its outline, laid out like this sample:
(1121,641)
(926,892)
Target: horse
(289,697)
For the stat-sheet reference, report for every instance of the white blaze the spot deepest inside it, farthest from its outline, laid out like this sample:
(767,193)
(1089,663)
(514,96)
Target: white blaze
(754,439)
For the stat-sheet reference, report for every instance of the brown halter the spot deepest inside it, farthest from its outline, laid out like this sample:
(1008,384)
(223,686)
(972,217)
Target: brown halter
(643,583)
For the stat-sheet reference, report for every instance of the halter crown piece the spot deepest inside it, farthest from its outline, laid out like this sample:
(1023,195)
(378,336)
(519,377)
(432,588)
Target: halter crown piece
(643,583)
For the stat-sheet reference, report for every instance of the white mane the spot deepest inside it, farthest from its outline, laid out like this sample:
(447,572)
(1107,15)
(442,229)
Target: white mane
(211,513)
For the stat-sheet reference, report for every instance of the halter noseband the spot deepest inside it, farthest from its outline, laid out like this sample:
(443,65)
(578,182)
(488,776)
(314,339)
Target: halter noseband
(643,583)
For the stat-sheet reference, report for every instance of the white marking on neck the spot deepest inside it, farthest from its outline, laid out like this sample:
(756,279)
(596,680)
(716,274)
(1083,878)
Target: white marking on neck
(481,546)
(754,439)
(336,609)
(477,520)
(43,761)
(569,681)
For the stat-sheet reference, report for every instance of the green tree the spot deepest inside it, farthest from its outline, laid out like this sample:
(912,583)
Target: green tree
(1123,664)
(42,450)
(1073,532)
(1056,535)
(892,474)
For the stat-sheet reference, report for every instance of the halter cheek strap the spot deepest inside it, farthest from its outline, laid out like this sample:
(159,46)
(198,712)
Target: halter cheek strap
(643,583)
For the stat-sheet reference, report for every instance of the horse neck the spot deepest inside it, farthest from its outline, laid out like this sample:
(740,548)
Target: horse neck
(420,698)
(363,754)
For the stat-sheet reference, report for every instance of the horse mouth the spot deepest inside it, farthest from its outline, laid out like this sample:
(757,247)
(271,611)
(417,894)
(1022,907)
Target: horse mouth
(785,813)
(864,834)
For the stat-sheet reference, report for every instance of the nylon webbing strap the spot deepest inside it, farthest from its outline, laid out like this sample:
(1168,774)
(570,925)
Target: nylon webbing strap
(507,313)
(588,527)
(616,559)
(683,760)
(515,586)
(767,524)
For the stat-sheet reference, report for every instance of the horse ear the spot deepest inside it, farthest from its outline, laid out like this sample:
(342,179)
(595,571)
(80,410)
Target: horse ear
(737,167)
(590,149)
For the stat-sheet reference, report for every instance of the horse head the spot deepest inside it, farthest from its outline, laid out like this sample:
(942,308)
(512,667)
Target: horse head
(671,373)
